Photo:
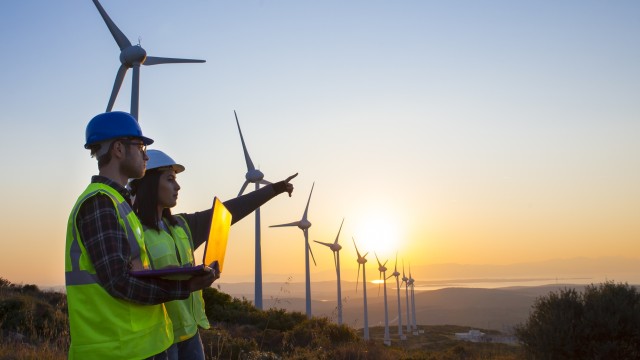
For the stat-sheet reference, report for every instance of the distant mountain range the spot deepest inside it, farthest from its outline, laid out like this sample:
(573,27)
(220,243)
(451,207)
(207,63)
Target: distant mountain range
(613,268)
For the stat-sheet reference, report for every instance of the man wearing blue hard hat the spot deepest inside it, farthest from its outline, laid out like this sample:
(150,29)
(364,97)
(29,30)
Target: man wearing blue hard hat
(112,314)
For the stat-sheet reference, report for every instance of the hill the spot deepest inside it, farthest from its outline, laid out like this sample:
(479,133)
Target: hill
(497,309)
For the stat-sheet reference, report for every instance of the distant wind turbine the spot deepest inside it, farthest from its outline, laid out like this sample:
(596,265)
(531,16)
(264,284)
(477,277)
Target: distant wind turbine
(335,248)
(256,177)
(405,280)
(304,225)
(383,271)
(361,261)
(413,304)
(396,274)
(132,56)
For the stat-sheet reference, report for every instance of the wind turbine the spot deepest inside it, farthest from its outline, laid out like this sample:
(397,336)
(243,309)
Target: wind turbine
(361,261)
(413,304)
(256,177)
(335,248)
(304,225)
(405,280)
(396,274)
(383,270)
(132,56)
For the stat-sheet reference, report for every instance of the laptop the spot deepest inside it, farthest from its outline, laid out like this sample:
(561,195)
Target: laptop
(215,248)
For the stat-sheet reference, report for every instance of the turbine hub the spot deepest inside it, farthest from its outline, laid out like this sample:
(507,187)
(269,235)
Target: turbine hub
(336,247)
(304,224)
(254,176)
(132,55)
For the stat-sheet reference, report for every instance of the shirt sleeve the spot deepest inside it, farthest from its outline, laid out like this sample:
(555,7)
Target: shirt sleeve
(199,222)
(108,248)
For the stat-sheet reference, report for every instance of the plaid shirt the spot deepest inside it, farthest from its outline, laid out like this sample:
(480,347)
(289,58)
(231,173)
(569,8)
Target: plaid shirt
(106,243)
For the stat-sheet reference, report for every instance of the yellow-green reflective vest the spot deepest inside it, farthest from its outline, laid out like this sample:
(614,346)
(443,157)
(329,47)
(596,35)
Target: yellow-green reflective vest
(104,327)
(176,249)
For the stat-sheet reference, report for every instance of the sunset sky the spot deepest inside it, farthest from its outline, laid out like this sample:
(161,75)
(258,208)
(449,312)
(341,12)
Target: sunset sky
(470,132)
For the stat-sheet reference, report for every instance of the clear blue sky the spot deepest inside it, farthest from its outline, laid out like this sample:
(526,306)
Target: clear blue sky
(479,132)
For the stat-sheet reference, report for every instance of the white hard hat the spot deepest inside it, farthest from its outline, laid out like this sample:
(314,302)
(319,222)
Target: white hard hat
(158,159)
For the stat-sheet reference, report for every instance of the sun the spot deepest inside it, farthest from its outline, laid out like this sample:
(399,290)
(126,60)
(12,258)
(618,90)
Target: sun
(379,234)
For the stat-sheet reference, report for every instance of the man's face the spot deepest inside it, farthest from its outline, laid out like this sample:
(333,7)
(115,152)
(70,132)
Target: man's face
(135,160)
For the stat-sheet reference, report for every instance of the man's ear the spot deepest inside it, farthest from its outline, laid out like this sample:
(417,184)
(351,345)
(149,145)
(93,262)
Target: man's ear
(118,150)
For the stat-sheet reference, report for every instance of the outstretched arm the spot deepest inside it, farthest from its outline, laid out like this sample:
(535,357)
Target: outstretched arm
(239,208)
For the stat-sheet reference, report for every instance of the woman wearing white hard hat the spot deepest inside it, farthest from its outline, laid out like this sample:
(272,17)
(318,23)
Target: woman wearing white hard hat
(171,239)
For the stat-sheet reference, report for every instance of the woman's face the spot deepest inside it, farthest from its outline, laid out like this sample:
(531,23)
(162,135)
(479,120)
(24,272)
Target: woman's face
(168,189)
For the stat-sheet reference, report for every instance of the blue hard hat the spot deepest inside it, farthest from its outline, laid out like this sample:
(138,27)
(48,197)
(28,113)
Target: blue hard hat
(113,125)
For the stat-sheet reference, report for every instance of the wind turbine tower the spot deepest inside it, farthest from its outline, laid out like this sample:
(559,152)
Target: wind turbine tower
(405,280)
(131,57)
(413,304)
(361,261)
(383,275)
(335,248)
(304,225)
(396,274)
(256,177)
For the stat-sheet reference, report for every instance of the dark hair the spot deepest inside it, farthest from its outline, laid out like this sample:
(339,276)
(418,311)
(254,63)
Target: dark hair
(145,204)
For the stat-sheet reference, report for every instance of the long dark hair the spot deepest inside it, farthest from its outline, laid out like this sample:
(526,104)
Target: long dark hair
(145,204)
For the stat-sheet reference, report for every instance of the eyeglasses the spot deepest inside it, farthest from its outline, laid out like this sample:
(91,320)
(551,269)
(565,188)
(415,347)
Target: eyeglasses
(140,145)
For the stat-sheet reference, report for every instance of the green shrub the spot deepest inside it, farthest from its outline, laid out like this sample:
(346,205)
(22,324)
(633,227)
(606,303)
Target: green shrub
(601,323)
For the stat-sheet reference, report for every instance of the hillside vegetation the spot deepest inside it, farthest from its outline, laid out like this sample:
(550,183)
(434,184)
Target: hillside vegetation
(34,325)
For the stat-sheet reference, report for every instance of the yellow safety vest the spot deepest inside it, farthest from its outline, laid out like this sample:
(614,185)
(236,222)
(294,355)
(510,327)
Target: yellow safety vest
(176,249)
(102,326)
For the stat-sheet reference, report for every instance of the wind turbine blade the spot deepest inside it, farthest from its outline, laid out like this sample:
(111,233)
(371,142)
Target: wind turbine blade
(390,276)
(120,38)
(358,278)
(116,86)
(306,209)
(313,257)
(265,182)
(365,255)
(244,186)
(154,60)
(247,158)
(354,245)
(335,261)
(395,267)
(135,90)
(295,223)
(323,243)
(379,264)
(338,236)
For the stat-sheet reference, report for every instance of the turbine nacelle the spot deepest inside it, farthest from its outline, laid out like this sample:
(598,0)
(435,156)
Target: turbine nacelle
(133,55)
(254,176)
(304,224)
(395,273)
